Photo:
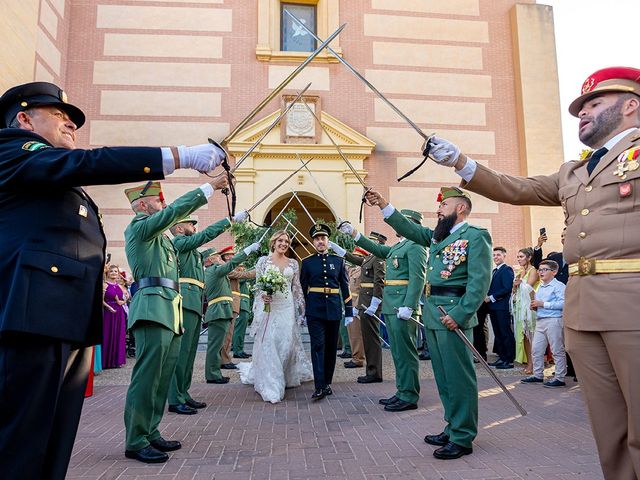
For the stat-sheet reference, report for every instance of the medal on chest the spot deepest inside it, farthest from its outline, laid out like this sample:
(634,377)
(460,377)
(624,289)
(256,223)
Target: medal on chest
(453,255)
(627,161)
(394,262)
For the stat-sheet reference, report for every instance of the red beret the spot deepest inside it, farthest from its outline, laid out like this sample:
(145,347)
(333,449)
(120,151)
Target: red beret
(612,79)
(360,251)
(227,250)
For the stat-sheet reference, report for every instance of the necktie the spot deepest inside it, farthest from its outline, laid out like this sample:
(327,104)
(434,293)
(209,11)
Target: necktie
(595,158)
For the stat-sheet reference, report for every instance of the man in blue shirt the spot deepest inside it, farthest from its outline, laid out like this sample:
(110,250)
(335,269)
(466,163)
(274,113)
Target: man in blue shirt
(549,303)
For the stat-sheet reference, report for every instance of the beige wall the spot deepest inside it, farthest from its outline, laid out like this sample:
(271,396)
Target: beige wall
(18,33)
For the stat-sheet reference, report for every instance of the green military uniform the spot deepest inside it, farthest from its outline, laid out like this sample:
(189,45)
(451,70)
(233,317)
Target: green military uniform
(219,311)
(459,285)
(406,264)
(243,319)
(155,314)
(372,274)
(192,289)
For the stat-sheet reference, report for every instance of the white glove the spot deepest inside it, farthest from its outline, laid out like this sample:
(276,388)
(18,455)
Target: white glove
(355,312)
(373,307)
(254,247)
(347,228)
(443,152)
(203,158)
(241,216)
(337,248)
(347,321)
(404,313)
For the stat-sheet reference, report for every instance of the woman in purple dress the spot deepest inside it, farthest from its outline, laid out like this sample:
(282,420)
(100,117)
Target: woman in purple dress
(115,324)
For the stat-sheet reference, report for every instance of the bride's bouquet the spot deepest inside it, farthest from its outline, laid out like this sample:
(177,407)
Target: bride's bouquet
(270,282)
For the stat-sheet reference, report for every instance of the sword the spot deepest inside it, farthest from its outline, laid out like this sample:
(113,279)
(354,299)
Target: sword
(381,323)
(278,186)
(299,233)
(486,366)
(411,318)
(317,184)
(280,87)
(427,138)
(268,130)
(303,207)
(275,219)
(344,158)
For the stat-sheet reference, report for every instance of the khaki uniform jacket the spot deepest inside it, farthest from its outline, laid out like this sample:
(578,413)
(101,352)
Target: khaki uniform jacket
(406,260)
(190,261)
(218,287)
(235,277)
(150,253)
(473,273)
(372,272)
(602,217)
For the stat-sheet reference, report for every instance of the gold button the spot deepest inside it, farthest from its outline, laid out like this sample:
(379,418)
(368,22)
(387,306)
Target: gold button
(147,170)
(23,104)
(584,212)
(588,188)
(54,269)
(582,235)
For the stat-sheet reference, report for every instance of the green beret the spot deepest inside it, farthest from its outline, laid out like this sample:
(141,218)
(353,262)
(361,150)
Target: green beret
(208,253)
(187,220)
(377,237)
(149,189)
(412,215)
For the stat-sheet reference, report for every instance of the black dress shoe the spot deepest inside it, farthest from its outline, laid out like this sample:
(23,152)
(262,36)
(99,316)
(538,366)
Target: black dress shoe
(451,450)
(369,379)
(319,394)
(241,355)
(424,356)
(400,406)
(166,445)
(228,366)
(219,380)
(441,439)
(194,403)
(504,366)
(496,363)
(147,455)
(182,409)
(345,355)
(387,401)
(327,390)
(352,364)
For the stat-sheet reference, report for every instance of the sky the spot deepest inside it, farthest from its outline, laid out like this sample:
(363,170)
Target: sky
(590,35)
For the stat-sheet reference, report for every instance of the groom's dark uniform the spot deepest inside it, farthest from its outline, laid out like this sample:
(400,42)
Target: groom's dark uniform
(325,285)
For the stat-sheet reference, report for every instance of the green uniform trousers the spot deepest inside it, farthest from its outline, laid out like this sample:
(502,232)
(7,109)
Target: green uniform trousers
(181,381)
(217,330)
(157,350)
(457,384)
(242,320)
(344,338)
(402,338)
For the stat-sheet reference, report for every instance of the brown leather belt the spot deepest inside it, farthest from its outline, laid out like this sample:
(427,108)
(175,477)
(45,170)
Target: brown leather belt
(593,266)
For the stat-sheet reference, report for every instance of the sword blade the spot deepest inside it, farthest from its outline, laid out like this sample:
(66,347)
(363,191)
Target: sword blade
(486,366)
(361,77)
(283,84)
(304,208)
(268,130)
(275,219)
(278,186)
(299,233)
(382,323)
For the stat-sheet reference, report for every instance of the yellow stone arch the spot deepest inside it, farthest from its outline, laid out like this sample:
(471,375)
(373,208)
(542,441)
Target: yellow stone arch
(273,160)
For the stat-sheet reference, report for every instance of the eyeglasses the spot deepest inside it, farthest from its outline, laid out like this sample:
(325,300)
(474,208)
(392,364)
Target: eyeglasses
(545,270)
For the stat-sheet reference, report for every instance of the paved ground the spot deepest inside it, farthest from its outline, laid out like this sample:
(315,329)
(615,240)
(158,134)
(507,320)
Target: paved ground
(346,436)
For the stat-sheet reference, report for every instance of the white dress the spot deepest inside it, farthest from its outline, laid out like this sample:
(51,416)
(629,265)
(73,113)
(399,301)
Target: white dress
(278,360)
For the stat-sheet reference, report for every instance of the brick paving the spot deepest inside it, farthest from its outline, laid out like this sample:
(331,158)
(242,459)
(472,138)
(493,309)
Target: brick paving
(345,436)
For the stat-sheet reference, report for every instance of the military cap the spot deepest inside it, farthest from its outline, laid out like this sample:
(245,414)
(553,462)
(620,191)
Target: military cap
(412,215)
(360,251)
(227,251)
(612,79)
(450,192)
(187,220)
(377,237)
(36,94)
(209,252)
(319,229)
(149,189)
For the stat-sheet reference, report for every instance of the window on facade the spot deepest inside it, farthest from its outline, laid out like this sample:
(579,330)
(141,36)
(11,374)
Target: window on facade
(293,37)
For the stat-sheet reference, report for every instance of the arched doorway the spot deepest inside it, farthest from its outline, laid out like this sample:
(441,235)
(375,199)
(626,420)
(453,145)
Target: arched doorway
(316,207)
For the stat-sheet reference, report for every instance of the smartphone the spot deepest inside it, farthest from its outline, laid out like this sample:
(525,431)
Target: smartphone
(543,231)
(108,258)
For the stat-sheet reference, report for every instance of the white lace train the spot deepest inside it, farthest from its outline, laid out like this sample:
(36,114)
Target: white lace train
(279,360)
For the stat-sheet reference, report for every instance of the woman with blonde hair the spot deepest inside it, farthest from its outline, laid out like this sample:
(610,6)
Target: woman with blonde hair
(524,319)
(114,325)
(279,360)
